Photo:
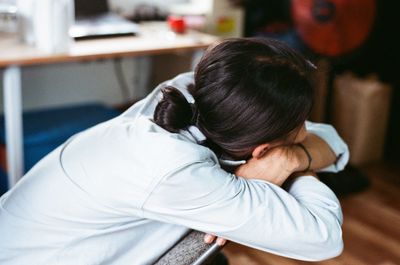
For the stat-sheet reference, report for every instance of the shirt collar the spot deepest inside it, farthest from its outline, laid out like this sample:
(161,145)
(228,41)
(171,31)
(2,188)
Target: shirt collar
(197,136)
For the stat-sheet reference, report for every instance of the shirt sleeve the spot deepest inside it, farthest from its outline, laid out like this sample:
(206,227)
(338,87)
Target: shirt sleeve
(302,223)
(327,133)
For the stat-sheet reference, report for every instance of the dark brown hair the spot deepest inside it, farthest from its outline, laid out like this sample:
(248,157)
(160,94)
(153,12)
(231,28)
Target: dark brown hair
(247,92)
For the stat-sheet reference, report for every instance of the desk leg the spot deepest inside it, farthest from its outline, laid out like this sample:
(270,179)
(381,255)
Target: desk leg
(13,124)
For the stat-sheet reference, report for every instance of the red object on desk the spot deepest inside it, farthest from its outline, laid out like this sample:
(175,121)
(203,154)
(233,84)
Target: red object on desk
(177,24)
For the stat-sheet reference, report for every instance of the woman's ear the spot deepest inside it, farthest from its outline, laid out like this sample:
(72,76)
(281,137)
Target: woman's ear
(260,150)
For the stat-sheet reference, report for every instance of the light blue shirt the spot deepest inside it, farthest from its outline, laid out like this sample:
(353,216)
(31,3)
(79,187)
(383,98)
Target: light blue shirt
(125,191)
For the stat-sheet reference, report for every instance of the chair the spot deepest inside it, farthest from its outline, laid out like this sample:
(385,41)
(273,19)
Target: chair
(190,250)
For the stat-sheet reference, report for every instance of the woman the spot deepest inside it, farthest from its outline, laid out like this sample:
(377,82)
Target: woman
(124,191)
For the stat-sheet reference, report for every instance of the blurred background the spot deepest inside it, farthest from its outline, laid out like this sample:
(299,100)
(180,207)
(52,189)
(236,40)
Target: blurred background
(353,43)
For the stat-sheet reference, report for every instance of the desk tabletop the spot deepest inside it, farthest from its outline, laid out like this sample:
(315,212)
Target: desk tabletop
(154,38)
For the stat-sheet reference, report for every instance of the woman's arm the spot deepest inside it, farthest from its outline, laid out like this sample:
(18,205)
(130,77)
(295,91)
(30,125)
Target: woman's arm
(320,153)
(327,150)
(303,223)
(331,139)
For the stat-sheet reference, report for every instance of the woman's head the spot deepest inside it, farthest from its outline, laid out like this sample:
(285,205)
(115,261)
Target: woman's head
(247,92)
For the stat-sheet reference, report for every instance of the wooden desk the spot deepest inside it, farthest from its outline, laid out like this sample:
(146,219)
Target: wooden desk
(154,38)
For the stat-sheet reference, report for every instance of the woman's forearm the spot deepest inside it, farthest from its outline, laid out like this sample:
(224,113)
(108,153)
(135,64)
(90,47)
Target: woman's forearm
(321,154)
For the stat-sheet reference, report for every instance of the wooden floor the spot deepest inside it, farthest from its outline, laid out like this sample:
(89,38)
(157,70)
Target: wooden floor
(371,229)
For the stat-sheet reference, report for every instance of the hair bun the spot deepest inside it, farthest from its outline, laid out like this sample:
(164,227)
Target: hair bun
(173,112)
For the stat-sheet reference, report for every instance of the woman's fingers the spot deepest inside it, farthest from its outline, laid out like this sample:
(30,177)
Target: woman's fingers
(221,241)
(208,238)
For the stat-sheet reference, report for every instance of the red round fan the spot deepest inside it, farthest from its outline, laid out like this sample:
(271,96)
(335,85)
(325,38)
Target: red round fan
(333,27)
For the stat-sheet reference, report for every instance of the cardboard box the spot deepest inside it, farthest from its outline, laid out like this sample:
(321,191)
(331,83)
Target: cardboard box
(360,115)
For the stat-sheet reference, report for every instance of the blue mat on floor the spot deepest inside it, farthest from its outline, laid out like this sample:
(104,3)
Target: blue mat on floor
(3,182)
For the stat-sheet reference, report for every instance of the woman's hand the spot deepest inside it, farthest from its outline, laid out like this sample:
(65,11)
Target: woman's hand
(209,238)
(275,166)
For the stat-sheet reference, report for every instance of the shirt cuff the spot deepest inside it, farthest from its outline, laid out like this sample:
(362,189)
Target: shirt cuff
(327,133)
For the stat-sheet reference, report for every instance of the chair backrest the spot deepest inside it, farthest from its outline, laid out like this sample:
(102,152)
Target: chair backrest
(190,250)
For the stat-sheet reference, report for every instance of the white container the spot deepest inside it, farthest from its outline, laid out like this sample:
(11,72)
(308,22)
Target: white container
(8,17)
(45,23)
(25,9)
